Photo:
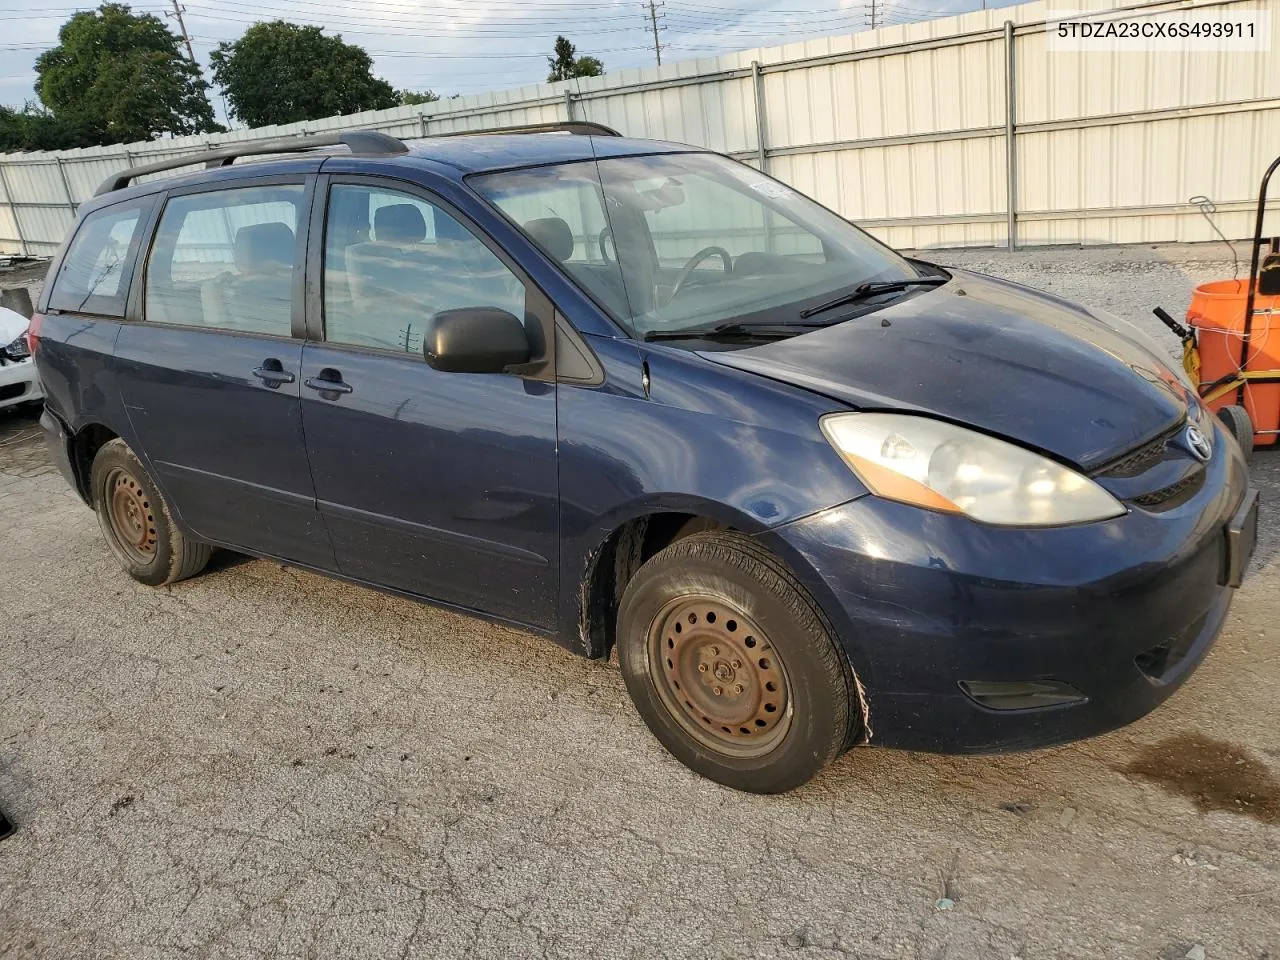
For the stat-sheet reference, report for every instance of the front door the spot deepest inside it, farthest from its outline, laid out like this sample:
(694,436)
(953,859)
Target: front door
(438,484)
(210,375)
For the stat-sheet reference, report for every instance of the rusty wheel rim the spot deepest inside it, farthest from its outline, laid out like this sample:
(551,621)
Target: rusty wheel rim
(132,517)
(719,675)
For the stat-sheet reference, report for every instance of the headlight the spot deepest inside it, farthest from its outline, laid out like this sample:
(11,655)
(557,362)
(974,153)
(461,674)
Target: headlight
(939,466)
(17,350)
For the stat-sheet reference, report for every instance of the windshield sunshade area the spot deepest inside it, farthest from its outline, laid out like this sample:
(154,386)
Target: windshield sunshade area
(668,243)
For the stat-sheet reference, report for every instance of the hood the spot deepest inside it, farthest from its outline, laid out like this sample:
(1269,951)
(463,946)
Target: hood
(1007,360)
(12,326)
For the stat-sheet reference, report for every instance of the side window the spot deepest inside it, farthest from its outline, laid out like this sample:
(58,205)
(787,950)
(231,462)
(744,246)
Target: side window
(575,204)
(562,210)
(93,277)
(226,260)
(392,261)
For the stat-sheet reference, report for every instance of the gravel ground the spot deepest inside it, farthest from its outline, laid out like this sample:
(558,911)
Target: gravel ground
(263,762)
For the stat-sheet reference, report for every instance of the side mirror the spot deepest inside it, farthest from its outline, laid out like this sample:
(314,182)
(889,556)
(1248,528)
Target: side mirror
(475,340)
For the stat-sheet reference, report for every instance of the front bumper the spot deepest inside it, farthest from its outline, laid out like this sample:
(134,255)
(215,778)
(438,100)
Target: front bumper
(19,383)
(1122,611)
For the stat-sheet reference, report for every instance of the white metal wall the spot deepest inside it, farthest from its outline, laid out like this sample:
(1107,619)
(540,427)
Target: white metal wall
(901,129)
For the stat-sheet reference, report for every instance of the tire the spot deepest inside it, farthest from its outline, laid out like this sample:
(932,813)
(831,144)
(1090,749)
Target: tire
(1236,420)
(720,611)
(137,523)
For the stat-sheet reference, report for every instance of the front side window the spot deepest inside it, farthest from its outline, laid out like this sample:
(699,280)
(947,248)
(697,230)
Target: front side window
(393,260)
(226,260)
(690,240)
(92,277)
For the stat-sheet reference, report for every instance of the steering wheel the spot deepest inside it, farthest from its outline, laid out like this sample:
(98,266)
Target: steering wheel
(687,270)
(606,235)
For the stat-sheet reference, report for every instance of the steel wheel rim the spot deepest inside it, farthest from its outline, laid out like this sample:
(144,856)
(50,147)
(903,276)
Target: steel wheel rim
(131,515)
(699,645)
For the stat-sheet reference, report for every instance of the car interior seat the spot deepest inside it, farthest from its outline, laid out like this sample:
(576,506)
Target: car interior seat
(602,280)
(390,280)
(258,296)
(392,262)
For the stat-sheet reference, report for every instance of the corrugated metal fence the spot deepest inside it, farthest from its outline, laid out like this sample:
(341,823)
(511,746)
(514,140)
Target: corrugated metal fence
(908,130)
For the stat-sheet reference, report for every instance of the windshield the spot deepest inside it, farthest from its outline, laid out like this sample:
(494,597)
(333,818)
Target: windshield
(690,241)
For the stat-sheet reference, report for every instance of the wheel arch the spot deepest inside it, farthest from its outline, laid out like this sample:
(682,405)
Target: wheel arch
(621,545)
(82,446)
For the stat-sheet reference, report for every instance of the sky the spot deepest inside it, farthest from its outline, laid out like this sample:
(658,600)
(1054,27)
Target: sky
(465,46)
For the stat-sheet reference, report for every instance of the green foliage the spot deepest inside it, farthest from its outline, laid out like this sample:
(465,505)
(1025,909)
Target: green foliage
(118,76)
(565,65)
(282,72)
(32,128)
(413,98)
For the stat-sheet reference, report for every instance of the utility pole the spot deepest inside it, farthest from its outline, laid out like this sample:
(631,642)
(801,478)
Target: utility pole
(653,22)
(871,15)
(182,26)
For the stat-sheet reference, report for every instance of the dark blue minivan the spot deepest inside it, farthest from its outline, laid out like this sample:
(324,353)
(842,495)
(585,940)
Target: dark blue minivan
(639,397)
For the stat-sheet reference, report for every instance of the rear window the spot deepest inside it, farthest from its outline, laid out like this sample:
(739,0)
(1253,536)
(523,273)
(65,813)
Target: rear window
(227,259)
(94,277)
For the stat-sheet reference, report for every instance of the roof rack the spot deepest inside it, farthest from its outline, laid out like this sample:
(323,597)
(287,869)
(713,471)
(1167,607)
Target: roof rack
(361,142)
(585,128)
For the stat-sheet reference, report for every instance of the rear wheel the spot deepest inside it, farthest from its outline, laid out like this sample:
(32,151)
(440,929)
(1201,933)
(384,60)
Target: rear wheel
(731,664)
(1236,420)
(136,522)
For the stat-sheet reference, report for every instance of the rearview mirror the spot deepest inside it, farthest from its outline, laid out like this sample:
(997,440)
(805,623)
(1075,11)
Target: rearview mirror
(670,194)
(475,340)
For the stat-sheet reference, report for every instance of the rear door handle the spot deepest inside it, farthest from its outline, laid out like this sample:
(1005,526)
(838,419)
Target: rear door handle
(329,382)
(272,373)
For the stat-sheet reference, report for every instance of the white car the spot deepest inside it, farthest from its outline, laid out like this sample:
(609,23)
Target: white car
(19,382)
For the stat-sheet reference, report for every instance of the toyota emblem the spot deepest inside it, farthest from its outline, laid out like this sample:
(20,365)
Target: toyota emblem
(1199,444)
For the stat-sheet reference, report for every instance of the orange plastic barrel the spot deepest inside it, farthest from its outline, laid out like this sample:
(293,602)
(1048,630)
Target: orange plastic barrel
(1217,313)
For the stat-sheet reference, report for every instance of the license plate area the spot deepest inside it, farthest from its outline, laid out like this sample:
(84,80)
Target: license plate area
(1242,538)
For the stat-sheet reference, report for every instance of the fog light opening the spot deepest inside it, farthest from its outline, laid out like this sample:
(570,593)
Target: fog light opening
(1021,695)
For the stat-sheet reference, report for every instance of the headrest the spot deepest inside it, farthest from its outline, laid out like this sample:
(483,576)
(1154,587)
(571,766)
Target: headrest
(261,244)
(553,235)
(399,223)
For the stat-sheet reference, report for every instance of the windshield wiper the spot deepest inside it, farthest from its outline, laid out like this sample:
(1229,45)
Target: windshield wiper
(735,330)
(870,289)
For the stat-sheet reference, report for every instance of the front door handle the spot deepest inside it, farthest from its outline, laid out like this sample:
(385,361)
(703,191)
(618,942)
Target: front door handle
(329,383)
(272,373)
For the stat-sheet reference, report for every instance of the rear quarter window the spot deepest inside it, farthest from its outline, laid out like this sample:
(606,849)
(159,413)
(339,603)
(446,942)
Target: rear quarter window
(98,265)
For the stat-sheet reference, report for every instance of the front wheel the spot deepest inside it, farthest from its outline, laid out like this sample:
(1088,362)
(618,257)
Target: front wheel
(136,522)
(731,664)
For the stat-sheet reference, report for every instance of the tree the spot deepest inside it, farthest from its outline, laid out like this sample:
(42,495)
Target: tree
(118,76)
(33,128)
(409,98)
(565,65)
(282,72)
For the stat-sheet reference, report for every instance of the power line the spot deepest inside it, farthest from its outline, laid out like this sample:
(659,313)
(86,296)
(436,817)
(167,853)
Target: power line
(389,13)
(386,11)
(402,28)
(700,26)
(431,55)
